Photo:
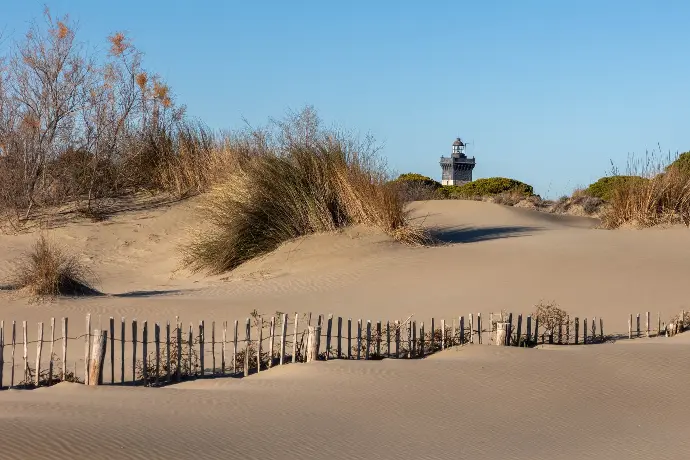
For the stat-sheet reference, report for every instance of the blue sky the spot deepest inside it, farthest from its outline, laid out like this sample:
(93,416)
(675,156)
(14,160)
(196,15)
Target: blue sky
(547,92)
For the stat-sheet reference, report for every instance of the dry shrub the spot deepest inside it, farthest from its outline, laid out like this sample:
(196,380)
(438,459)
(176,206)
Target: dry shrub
(551,317)
(49,271)
(663,199)
(297,186)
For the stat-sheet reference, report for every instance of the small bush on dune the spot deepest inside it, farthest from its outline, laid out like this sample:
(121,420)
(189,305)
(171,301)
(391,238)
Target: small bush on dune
(416,187)
(48,271)
(489,187)
(296,186)
(604,187)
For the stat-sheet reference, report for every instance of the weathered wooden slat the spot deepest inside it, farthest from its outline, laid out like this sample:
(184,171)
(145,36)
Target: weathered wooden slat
(313,334)
(14,346)
(157,344)
(443,334)
(168,371)
(413,348)
(294,339)
(388,339)
(519,331)
(260,338)
(271,341)
(64,349)
(630,327)
(601,329)
(509,330)
(359,339)
(528,337)
(577,330)
(502,333)
(213,348)
(638,325)
(283,337)
(647,324)
(202,355)
(112,350)
(397,339)
(329,327)
(26,352)
(2,351)
(536,330)
(87,349)
(39,349)
(100,339)
(234,348)
(51,362)
(479,328)
(378,339)
(122,351)
(145,351)
(584,331)
(178,364)
(471,328)
(190,350)
(223,350)
(431,336)
(339,347)
(368,340)
(461,330)
(421,339)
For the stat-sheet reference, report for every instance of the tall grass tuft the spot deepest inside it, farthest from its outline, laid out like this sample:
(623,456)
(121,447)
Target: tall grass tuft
(48,271)
(662,199)
(298,181)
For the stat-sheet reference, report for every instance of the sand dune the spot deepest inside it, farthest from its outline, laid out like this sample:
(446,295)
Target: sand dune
(607,401)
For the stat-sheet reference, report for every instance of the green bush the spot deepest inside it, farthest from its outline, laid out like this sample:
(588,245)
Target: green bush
(419,179)
(604,187)
(488,187)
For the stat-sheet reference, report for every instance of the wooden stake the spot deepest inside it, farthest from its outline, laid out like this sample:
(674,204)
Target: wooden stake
(190,350)
(283,337)
(471,328)
(658,330)
(26,350)
(594,329)
(479,328)
(329,327)
(51,363)
(413,346)
(452,334)
(378,339)
(388,339)
(421,339)
(87,349)
(638,325)
(577,330)
(294,340)
(443,334)
(536,331)
(397,339)
(247,339)
(157,340)
(122,350)
(201,347)
(112,350)
(647,324)
(100,340)
(601,328)
(431,337)
(584,331)
(260,326)
(223,348)
(509,330)
(234,348)
(567,329)
(14,345)
(178,364)
(213,348)
(359,338)
(349,338)
(630,327)
(502,334)
(519,331)
(340,336)
(462,330)
(39,349)
(64,349)
(145,351)
(529,330)
(366,353)
(168,372)
(313,338)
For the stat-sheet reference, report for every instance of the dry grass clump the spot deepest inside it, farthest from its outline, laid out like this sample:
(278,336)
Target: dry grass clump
(49,271)
(551,317)
(288,184)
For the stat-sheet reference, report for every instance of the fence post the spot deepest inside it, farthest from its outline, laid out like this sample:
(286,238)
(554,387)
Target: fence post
(349,338)
(294,340)
(178,364)
(462,330)
(339,347)
(157,340)
(234,347)
(100,340)
(202,340)
(658,330)
(366,353)
(259,339)
(247,335)
(190,350)
(87,349)
(314,332)
(528,337)
(479,328)
(213,348)
(397,339)
(584,331)
(388,339)
(14,345)
(26,351)
(329,327)
(145,350)
(682,321)
(39,348)
(443,334)
(471,329)
(122,349)
(536,330)
(638,325)
(378,339)
(501,334)
(112,350)
(422,338)
(432,336)
(2,350)
(413,346)
(567,329)
(509,330)
(271,341)
(630,327)
(601,328)
(283,337)
(594,329)
(359,338)
(64,349)
(519,330)
(577,330)
(647,324)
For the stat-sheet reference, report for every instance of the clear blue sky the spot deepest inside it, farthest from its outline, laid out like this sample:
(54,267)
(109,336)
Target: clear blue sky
(547,91)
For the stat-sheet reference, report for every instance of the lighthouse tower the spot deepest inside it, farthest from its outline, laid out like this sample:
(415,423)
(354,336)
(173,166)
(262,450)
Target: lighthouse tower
(457,169)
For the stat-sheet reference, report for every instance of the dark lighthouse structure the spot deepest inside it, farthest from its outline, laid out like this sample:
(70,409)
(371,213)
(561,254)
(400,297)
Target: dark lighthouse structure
(457,169)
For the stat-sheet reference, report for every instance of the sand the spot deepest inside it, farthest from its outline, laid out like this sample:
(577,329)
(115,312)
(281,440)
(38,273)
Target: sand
(620,400)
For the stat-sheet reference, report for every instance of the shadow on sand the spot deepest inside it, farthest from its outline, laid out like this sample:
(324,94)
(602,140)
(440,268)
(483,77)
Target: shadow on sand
(452,235)
(142,294)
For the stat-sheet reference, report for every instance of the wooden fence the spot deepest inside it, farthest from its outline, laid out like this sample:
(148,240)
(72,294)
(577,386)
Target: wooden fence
(139,353)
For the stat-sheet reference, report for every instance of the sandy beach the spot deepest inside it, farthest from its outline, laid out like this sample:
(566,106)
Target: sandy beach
(615,400)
